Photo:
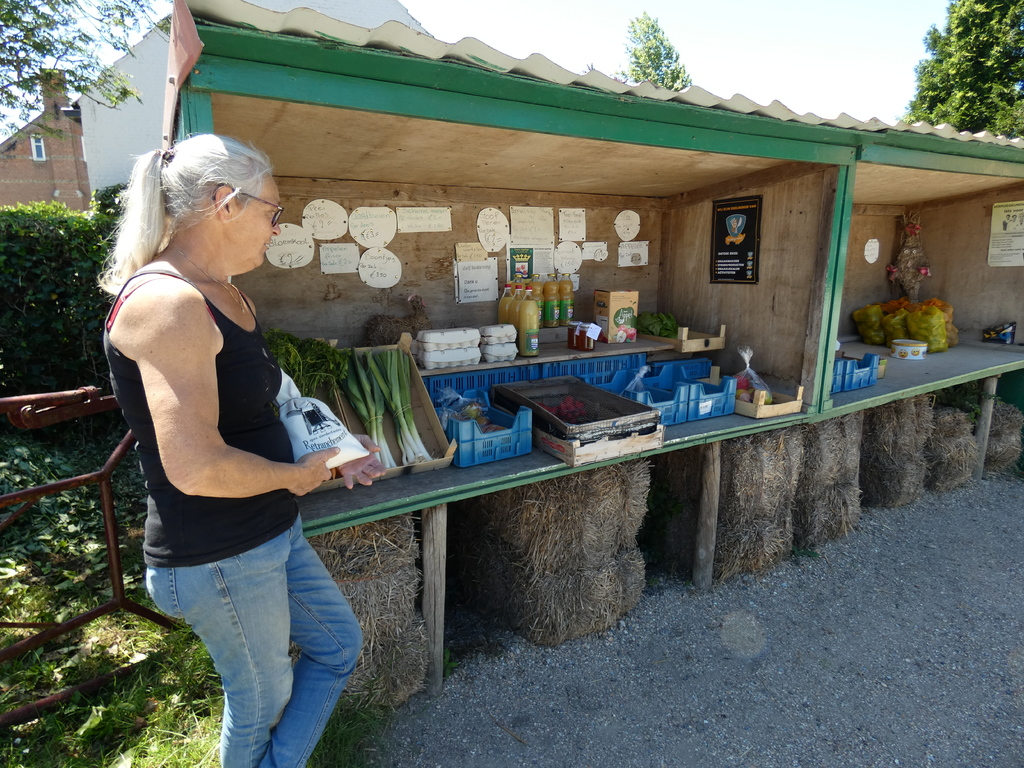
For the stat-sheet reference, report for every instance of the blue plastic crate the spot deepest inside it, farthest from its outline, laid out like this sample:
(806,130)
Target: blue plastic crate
(703,400)
(594,370)
(478,447)
(671,404)
(693,368)
(484,379)
(855,374)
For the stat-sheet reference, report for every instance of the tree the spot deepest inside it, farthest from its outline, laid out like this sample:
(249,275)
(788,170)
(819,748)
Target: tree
(40,37)
(974,78)
(652,57)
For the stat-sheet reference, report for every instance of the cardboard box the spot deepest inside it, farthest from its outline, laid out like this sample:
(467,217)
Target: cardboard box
(427,424)
(615,312)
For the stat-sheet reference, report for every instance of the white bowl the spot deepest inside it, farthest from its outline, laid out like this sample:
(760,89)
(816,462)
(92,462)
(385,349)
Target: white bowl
(908,349)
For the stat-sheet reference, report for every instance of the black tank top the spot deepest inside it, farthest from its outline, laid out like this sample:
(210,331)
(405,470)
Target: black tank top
(183,530)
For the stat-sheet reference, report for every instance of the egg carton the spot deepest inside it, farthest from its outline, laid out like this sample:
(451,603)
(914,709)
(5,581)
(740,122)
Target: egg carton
(447,358)
(448,338)
(497,353)
(498,334)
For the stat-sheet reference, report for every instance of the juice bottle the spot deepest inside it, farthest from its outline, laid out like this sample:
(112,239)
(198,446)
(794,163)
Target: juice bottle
(512,312)
(566,300)
(528,328)
(538,296)
(551,313)
(503,302)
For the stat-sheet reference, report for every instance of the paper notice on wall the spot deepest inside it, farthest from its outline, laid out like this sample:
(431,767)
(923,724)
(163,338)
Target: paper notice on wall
(627,225)
(595,251)
(373,227)
(568,257)
(543,261)
(1006,237)
(469,252)
(532,226)
(424,219)
(379,268)
(572,224)
(339,258)
(476,280)
(292,248)
(325,219)
(633,254)
(492,229)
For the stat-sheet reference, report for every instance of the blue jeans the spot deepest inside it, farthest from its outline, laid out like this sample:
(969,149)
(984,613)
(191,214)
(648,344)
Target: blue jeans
(246,609)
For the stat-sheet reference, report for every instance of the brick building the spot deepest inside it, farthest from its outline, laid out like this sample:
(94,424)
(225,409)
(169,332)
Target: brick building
(38,165)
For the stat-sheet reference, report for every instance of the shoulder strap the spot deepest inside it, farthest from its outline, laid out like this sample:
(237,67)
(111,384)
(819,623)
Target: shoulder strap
(125,292)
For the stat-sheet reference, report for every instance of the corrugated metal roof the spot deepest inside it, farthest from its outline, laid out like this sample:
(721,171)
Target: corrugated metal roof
(394,36)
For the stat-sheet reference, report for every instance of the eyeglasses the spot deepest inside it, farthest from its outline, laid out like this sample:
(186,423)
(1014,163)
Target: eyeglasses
(273,219)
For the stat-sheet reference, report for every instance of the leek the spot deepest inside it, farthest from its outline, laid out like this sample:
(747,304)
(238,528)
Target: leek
(393,378)
(368,402)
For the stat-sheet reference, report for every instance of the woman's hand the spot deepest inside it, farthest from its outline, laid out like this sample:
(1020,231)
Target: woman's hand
(362,470)
(313,471)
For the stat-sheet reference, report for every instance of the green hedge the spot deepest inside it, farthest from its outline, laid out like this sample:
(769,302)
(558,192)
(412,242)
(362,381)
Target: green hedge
(51,309)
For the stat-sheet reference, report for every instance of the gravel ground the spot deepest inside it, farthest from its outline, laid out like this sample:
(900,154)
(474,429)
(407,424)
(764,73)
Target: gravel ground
(902,644)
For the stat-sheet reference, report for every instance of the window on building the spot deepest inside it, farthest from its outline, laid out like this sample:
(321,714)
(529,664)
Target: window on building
(38,150)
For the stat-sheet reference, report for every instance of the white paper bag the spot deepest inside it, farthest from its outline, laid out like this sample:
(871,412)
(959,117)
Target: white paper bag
(312,427)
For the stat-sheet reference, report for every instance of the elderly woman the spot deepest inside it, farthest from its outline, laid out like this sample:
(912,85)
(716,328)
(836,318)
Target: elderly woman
(223,541)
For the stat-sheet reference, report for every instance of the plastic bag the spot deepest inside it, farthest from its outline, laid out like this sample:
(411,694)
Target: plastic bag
(869,324)
(636,385)
(928,324)
(452,405)
(895,326)
(747,380)
(311,426)
(952,334)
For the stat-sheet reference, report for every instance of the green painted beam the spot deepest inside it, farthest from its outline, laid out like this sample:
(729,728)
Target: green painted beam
(276,83)
(907,157)
(195,113)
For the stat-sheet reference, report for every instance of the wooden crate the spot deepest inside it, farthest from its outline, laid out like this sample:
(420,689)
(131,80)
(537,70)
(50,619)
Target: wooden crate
(781,405)
(691,341)
(575,454)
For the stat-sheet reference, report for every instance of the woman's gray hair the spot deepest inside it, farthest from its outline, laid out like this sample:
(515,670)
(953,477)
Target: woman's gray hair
(170,190)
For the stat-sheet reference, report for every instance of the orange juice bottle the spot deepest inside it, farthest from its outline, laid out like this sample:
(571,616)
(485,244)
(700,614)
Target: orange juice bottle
(528,328)
(566,300)
(538,296)
(512,312)
(503,302)
(551,313)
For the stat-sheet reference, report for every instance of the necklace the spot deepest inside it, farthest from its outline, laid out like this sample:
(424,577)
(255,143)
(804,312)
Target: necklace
(229,287)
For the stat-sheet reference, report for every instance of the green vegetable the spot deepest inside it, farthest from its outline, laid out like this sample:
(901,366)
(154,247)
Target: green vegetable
(313,364)
(368,402)
(390,371)
(657,324)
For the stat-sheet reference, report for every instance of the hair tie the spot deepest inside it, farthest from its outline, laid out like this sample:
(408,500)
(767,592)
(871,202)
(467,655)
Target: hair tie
(166,155)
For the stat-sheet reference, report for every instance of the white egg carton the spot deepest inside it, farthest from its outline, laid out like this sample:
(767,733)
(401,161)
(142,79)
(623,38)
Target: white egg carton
(497,353)
(498,334)
(448,338)
(446,358)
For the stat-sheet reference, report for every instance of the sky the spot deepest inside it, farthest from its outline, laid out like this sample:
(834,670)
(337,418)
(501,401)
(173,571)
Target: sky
(819,56)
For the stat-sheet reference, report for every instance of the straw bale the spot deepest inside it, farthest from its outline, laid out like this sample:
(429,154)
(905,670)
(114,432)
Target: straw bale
(892,459)
(951,453)
(757,491)
(1004,437)
(827,501)
(392,669)
(368,550)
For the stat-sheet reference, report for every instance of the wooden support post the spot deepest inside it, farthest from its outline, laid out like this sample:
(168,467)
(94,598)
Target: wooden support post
(435,546)
(988,389)
(707,522)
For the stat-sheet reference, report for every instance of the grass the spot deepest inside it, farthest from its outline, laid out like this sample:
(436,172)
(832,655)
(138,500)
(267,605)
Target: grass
(166,712)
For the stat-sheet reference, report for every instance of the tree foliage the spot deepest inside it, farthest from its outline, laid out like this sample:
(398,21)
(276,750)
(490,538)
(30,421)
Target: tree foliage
(652,57)
(38,37)
(974,77)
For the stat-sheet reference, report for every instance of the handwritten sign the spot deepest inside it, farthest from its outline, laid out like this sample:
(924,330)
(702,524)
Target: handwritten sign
(338,258)
(325,219)
(424,219)
(379,268)
(533,226)
(373,227)
(492,229)
(568,257)
(476,281)
(292,248)
(1006,236)
(633,254)
(627,225)
(469,252)
(597,251)
(572,224)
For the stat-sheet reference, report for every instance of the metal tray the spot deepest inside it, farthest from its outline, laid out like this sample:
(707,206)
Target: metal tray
(598,413)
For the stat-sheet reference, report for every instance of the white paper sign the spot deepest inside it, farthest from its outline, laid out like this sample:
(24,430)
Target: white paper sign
(492,229)
(379,268)
(338,258)
(325,219)
(469,252)
(1006,237)
(543,261)
(596,251)
(633,254)
(871,249)
(371,227)
(533,226)
(572,224)
(424,220)
(568,257)
(627,225)
(476,280)
(292,248)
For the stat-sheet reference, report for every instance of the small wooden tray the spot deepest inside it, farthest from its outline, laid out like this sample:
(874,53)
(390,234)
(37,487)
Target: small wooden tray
(781,405)
(574,453)
(691,341)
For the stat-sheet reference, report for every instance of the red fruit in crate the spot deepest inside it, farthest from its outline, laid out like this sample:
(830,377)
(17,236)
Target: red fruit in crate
(743,382)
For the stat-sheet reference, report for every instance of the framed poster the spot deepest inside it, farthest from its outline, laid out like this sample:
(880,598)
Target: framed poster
(736,240)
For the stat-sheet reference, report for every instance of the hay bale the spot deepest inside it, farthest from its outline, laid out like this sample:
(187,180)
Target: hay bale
(951,453)
(1004,438)
(892,459)
(557,559)
(374,565)
(827,501)
(757,490)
